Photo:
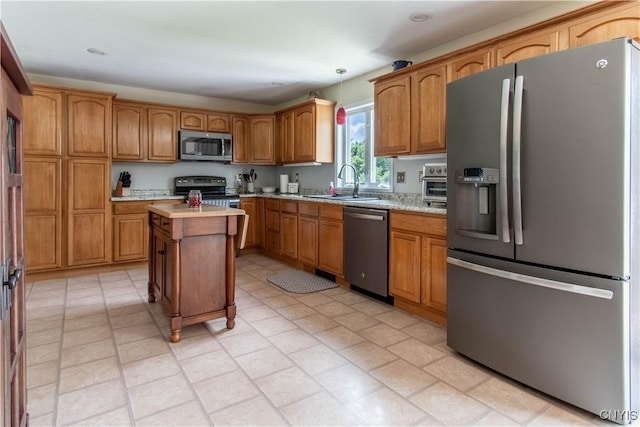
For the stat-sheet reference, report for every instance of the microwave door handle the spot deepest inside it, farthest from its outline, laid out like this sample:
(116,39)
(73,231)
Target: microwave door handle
(517,145)
(504,124)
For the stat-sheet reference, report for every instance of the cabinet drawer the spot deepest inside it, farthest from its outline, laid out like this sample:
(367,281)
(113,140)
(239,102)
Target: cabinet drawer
(272,204)
(308,209)
(419,223)
(331,211)
(127,208)
(161,222)
(287,206)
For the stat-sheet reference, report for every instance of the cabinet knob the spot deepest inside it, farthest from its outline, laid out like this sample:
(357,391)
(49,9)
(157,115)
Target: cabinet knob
(13,278)
(161,252)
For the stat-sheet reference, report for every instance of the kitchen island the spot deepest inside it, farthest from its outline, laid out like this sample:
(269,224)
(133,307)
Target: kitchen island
(192,262)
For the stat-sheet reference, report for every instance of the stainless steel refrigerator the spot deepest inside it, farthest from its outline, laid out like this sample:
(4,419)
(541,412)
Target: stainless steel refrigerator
(543,224)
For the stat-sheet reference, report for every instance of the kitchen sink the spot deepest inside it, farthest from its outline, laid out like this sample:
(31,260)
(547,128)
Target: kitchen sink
(345,197)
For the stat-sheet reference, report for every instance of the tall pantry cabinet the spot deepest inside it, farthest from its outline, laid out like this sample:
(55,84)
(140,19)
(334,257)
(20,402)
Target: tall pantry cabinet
(67,140)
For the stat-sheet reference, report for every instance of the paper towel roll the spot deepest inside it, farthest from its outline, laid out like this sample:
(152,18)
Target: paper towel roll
(284,182)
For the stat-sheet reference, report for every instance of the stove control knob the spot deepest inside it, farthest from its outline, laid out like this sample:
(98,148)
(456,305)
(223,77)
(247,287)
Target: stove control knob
(439,171)
(431,171)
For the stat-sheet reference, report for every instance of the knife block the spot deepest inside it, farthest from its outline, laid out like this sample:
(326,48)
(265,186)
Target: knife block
(121,191)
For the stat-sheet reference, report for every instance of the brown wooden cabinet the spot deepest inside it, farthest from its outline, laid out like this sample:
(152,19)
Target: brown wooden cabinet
(418,271)
(250,206)
(162,132)
(392,100)
(262,133)
(470,63)
(272,226)
(529,46)
(88,124)
(330,239)
(308,233)
(607,25)
(289,229)
(43,125)
(306,132)
(205,121)
(428,109)
(240,132)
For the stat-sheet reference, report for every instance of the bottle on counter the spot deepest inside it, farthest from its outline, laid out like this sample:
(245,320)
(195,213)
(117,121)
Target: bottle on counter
(332,189)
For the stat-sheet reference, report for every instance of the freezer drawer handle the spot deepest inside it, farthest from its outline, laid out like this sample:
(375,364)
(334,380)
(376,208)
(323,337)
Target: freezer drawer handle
(504,125)
(537,281)
(366,216)
(517,142)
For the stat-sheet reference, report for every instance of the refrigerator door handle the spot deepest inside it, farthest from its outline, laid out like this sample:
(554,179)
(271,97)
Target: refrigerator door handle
(517,190)
(504,124)
(531,280)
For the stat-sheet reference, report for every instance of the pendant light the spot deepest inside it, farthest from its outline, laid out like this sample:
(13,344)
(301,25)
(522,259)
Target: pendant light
(341,114)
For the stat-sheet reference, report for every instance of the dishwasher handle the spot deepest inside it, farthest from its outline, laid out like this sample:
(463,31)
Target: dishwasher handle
(366,216)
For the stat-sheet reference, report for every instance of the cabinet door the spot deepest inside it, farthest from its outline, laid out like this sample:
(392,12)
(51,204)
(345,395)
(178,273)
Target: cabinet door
(130,237)
(88,125)
(193,120)
(249,207)
(43,213)
(434,273)
(607,25)
(88,221)
(288,146)
(330,250)
(308,240)
(530,46)
(272,230)
(218,122)
(240,134)
(163,135)
(304,135)
(129,131)
(42,130)
(404,271)
(469,64)
(428,107)
(289,235)
(262,140)
(393,117)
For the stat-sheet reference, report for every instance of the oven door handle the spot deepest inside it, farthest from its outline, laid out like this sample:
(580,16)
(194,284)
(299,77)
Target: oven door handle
(434,179)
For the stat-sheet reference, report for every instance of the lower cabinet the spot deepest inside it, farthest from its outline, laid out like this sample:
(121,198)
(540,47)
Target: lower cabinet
(251,207)
(418,264)
(289,229)
(330,239)
(308,233)
(272,226)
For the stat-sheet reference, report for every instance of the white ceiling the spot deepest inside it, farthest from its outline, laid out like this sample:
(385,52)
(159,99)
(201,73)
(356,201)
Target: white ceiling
(236,49)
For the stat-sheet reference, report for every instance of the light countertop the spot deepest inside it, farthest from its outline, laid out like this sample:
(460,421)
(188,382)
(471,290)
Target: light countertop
(184,211)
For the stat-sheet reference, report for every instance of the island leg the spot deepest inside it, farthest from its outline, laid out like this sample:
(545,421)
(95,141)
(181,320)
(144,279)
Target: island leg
(176,328)
(230,279)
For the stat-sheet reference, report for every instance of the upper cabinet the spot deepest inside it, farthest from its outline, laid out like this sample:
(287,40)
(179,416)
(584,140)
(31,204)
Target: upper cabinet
(607,25)
(205,121)
(43,122)
(306,132)
(253,139)
(517,49)
(144,132)
(88,125)
(470,63)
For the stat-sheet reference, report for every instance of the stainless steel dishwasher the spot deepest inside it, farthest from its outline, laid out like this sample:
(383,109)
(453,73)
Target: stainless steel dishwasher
(366,259)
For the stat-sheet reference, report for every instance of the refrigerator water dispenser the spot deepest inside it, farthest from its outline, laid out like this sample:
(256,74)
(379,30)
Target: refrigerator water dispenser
(476,202)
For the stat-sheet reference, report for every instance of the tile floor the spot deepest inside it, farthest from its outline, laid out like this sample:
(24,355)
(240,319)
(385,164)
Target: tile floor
(98,354)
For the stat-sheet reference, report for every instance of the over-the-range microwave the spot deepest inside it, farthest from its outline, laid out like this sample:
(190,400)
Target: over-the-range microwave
(205,146)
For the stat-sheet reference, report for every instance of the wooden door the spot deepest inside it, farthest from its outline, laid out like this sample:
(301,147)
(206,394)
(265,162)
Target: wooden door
(288,144)
(240,135)
(308,240)
(404,271)
(289,235)
(428,108)
(129,131)
(130,237)
(434,273)
(13,410)
(88,125)
(193,120)
(162,131)
(304,135)
(248,205)
(330,250)
(469,64)
(393,117)
(218,122)
(43,123)
(262,140)
(532,45)
(607,25)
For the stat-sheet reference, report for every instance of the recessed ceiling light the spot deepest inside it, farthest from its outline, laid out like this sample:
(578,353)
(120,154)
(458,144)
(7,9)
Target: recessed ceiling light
(419,17)
(94,51)
(277,83)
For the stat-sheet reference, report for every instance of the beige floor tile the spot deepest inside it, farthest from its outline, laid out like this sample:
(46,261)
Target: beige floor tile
(372,308)
(385,408)
(117,418)
(416,352)
(339,338)
(41,400)
(460,374)
(350,298)
(383,335)
(356,320)
(267,292)
(46,420)
(208,365)
(288,386)
(403,378)
(294,340)
(135,332)
(273,326)
(86,353)
(85,322)
(255,412)
(47,336)
(137,307)
(319,410)
(190,414)
(95,291)
(258,312)
(495,418)
(368,355)
(130,319)
(95,300)
(334,309)
(42,374)
(296,311)
(509,400)
(44,324)
(85,336)
(244,343)
(43,313)
(426,332)
(225,390)
(397,319)
(90,401)
(84,310)
(150,369)
(247,301)
(280,301)
(43,353)
(218,327)
(151,398)
(556,416)
(263,362)
(318,359)
(313,300)
(316,323)
(348,383)
(52,302)
(87,374)
(194,346)
(142,349)
(450,406)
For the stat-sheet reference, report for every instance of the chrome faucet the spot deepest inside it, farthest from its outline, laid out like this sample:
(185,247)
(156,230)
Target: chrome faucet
(356,184)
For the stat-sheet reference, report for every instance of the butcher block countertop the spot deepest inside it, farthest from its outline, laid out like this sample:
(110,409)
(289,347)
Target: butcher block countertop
(184,211)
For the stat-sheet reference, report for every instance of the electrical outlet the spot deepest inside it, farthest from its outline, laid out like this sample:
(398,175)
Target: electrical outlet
(420,176)
(400,177)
